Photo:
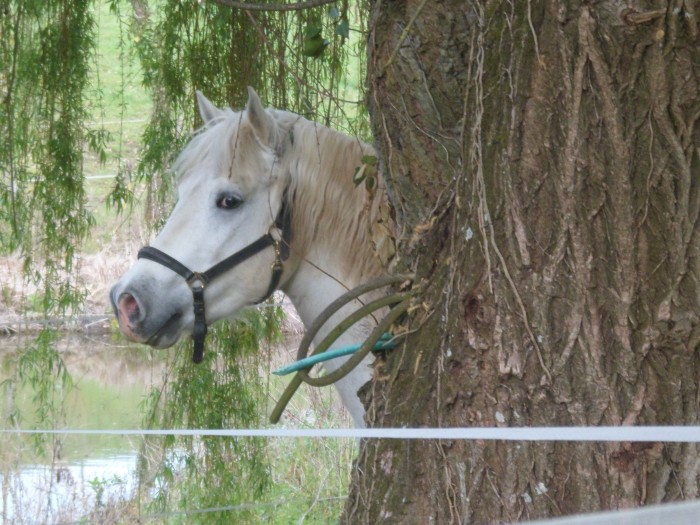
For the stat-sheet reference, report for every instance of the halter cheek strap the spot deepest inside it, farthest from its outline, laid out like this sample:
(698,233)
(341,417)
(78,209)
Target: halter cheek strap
(197,281)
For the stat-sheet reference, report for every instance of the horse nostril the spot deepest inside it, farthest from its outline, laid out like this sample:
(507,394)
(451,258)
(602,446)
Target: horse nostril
(128,308)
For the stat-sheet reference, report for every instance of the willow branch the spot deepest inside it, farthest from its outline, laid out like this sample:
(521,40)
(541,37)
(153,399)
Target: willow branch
(248,6)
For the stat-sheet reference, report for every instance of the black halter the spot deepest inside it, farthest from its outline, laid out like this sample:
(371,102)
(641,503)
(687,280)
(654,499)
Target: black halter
(198,280)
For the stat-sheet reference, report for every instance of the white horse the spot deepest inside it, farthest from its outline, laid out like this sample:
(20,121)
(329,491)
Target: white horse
(275,181)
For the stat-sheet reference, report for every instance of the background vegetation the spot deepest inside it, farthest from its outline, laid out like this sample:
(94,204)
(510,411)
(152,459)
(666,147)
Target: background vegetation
(96,99)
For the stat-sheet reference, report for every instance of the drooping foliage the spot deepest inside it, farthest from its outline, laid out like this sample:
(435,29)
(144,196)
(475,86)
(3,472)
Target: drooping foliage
(45,57)
(306,60)
(46,51)
(205,473)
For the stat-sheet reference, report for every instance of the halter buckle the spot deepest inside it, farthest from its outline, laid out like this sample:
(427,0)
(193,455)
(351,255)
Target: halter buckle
(277,266)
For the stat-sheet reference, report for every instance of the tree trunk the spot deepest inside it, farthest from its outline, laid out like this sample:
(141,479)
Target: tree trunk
(543,158)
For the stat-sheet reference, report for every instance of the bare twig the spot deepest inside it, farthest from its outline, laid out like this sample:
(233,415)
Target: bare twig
(633,18)
(248,6)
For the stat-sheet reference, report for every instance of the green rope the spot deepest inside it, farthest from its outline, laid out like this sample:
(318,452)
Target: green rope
(385,343)
(358,356)
(302,376)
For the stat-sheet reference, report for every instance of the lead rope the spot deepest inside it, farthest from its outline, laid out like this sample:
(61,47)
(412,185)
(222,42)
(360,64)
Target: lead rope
(401,299)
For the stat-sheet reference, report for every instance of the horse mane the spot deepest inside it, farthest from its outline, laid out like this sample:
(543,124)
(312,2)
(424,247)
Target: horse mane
(328,209)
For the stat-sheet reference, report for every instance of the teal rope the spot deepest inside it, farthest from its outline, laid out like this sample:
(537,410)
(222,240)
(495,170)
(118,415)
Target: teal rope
(384,343)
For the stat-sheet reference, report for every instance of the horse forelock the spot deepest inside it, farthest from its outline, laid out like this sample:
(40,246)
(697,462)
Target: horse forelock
(225,147)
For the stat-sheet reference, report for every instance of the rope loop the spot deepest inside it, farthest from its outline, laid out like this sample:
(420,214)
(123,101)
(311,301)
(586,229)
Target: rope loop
(401,300)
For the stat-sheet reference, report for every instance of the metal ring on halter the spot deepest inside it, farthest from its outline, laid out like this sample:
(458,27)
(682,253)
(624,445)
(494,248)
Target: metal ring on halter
(197,280)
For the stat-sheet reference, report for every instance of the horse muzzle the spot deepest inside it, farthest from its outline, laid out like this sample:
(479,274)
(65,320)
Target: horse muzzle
(132,313)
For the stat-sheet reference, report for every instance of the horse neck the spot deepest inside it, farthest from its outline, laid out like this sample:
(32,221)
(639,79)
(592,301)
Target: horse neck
(311,291)
(316,284)
(331,241)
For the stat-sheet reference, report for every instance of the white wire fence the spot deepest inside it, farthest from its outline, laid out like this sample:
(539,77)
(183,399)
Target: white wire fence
(684,513)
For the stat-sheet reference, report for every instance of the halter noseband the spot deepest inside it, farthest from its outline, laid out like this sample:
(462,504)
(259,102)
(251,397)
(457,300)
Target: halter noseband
(198,280)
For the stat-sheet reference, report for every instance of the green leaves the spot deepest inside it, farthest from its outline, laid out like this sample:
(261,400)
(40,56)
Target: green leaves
(46,54)
(314,43)
(224,391)
(343,28)
(342,24)
(121,197)
(42,369)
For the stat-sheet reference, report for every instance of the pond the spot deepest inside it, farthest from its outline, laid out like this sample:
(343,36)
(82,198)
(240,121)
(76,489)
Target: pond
(83,473)
(95,478)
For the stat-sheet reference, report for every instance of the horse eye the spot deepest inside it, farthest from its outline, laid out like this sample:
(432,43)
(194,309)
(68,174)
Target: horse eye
(228,202)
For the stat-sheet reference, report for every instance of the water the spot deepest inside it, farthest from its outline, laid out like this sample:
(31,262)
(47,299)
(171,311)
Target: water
(92,479)
(43,493)
(84,474)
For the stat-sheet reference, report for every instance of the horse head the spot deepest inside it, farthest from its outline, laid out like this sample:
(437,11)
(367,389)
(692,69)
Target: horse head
(228,226)
(267,199)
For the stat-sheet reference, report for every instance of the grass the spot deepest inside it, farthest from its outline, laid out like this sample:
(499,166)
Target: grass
(312,474)
(121,106)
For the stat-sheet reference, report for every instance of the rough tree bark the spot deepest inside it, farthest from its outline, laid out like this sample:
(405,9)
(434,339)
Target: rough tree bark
(543,158)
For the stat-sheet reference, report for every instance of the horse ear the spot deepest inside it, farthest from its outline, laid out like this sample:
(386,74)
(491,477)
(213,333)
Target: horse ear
(262,122)
(207,110)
